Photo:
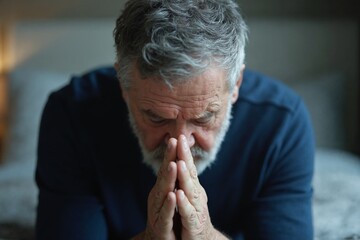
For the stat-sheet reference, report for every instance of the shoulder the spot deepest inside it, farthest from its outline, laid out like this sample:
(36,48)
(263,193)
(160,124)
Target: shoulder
(269,112)
(97,84)
(260,90)
(91,97)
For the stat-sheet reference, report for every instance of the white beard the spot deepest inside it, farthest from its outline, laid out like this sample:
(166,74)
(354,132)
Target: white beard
(202,158)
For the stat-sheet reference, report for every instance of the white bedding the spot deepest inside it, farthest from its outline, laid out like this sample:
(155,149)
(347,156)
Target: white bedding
(336,195)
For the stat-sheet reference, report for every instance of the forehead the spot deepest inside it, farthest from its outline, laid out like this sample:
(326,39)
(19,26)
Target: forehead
(189,99)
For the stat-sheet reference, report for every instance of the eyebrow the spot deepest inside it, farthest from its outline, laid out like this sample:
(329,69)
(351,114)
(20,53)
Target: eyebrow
(205,114)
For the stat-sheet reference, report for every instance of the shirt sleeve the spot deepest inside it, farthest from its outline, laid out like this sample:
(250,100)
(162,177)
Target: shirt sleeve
(68,207)
(281,207)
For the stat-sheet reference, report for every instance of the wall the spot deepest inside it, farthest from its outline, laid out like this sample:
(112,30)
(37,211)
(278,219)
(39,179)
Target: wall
(24,9)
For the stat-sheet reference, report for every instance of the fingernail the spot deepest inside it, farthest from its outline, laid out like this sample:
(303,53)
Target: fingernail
(169,145)
(181,194)
(185,144)
(183,165)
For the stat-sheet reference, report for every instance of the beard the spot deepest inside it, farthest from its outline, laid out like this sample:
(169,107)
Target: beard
(202,158)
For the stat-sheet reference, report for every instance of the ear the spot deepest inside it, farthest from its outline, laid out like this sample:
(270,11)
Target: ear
(124,93)
(235,93)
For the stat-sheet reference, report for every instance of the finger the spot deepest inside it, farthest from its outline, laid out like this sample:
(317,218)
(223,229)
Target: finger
(163,186)
(170,154)
(192,220)
(190,186)
(165,182)
(184,149)
(164,223)
(184,153)
(167,176)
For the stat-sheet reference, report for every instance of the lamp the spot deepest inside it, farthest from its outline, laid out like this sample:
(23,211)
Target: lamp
(1,50)
(3,85)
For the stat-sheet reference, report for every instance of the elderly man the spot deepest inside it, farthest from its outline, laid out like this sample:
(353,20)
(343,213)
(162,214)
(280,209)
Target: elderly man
(228,153)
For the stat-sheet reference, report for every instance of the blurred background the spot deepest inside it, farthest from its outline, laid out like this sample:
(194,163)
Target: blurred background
(52,9)
(313,46)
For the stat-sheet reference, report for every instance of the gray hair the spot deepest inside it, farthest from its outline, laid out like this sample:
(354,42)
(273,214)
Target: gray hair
(177,39)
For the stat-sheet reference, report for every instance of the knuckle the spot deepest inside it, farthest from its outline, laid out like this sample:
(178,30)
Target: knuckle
(194,223)
(195,193)
(203,216)
(193,173)
(192,219)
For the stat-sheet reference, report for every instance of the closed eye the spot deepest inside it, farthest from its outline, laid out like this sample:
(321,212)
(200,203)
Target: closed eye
(157,120)
(205,119)
(153,117)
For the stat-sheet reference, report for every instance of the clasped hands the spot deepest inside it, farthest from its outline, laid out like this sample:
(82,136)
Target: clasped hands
(189,199)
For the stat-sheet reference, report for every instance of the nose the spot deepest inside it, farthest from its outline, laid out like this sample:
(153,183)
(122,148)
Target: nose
(183,128)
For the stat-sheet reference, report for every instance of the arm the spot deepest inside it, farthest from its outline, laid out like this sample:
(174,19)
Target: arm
(281,208)
(67,208)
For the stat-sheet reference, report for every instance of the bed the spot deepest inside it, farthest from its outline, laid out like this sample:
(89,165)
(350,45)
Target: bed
(319,59)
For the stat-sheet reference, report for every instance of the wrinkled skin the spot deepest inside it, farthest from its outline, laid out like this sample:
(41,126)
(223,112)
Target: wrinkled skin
(188,114)
(190,198)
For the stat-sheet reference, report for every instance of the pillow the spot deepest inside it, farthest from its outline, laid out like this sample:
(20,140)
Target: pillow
(28,92)
(324,97)
(336,194)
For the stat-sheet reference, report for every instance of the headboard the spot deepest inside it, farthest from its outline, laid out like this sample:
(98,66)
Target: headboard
(301,53)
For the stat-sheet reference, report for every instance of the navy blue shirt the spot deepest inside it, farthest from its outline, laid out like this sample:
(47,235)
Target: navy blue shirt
(93,184)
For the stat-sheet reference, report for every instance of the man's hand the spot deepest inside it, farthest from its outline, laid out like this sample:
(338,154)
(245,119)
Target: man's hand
(162,199)
(191,197)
